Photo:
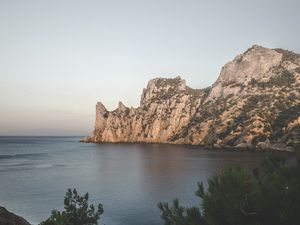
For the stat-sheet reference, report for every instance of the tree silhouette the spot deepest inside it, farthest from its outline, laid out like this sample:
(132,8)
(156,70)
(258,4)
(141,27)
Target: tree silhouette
(77,211)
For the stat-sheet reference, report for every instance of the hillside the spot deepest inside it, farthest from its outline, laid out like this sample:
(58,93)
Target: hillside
(254,104)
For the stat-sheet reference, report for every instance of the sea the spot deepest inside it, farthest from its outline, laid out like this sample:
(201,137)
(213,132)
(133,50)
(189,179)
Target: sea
(129,180)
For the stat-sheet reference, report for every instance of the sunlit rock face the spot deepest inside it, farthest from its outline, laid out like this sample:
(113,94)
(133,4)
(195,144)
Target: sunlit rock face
(166,107)
(255,103)
(255,63)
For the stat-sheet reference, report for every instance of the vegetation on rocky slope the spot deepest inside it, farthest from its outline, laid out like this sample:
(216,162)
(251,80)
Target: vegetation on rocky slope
(254,104)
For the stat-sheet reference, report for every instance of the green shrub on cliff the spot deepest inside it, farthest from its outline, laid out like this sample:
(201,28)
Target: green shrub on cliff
(77,211)
(268,195)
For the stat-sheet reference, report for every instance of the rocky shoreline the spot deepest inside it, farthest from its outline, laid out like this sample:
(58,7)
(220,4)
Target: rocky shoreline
(264,148)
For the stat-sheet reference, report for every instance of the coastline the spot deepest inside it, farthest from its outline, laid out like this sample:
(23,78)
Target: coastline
(218,148)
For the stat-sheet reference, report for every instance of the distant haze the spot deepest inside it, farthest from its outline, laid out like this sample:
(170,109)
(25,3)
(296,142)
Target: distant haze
(59,57)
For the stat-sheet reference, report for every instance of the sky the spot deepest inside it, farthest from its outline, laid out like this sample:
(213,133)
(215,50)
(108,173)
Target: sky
(59,57)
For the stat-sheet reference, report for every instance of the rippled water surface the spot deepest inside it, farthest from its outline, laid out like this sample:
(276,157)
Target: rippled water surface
(128,179)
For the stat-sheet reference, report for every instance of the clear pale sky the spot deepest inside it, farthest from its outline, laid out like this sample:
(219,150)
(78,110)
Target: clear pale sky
(59,57)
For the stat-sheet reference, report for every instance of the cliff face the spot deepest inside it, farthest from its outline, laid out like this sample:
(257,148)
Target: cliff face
(255,103)
(167,105)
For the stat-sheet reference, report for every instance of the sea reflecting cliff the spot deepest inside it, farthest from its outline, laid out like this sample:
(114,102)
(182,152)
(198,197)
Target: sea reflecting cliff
(128,179)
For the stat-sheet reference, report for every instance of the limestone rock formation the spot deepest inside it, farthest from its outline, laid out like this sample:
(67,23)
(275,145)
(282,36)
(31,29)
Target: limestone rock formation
(8,218)
(255,103)
(167,105)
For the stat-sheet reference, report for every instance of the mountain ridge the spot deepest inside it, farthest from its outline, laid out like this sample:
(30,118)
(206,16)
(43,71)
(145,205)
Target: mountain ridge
(254,104)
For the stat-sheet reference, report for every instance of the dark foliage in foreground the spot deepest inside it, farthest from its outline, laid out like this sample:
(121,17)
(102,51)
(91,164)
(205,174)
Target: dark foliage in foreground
(268,195)
(77,211)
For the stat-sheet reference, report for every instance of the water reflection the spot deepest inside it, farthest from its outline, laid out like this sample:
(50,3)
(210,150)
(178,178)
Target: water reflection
(129,179)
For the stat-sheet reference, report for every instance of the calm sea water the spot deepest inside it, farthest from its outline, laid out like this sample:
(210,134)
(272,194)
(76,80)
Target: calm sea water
(128,179)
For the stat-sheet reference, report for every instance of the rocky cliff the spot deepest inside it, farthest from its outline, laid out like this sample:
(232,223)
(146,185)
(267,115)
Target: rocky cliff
(9,218)
(255,103)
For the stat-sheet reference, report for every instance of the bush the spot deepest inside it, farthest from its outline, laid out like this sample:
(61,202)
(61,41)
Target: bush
(287,114)
(268,195)
(178,215)
(284,78)
(77,211)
